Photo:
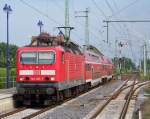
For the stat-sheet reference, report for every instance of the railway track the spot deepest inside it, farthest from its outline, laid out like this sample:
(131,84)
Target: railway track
(12,112)
(130,95)
(28,113)
(131,87)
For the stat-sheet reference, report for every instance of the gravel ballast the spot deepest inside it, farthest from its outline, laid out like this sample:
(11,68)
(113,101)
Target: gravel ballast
(79,107)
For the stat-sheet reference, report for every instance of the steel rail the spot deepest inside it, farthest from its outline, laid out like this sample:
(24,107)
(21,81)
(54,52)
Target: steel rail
(125,107)
(46,108)
(129,97)
(12,112)
(108,101)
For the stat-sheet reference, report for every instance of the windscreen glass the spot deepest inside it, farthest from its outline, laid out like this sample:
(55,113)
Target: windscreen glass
(42,57)
(28,58)
(46,57)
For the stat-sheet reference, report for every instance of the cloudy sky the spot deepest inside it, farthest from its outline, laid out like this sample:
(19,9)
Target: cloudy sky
(26,14)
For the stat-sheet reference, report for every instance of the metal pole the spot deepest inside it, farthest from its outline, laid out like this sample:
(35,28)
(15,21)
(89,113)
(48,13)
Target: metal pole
(120,59)
(140,114)
(116,59)
(66,18)
(145,59)
(7,53)
(107,31)
(40,29)
(7,9)
(87,28)
(141,58)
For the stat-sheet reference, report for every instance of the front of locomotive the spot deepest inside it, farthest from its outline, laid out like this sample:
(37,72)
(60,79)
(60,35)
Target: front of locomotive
(36,74)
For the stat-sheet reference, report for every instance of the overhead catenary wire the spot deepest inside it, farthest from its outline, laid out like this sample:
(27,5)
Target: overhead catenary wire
(112,10)
(43,14)
(124,8)
(129,34)
(105,16)
(115,5)
(40,12)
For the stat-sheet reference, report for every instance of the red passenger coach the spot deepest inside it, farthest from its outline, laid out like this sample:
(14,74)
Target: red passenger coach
(50,69)
(99,69)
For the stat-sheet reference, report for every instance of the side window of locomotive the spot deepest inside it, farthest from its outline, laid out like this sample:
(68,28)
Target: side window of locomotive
(62,58)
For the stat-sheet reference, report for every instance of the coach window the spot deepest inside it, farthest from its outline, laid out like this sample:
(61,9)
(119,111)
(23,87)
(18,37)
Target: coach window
(88,67)
(62,58)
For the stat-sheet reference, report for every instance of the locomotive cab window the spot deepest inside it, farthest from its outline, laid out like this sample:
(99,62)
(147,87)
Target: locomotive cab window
(42,57)
(28,58)
(46,57)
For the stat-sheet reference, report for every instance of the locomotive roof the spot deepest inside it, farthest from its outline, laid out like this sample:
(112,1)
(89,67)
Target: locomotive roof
(47,40)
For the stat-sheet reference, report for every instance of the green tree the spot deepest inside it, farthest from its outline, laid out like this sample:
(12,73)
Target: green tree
(126,63)
(13,49)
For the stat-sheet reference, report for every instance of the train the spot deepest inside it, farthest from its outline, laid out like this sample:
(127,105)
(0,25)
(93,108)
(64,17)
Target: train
(50,70)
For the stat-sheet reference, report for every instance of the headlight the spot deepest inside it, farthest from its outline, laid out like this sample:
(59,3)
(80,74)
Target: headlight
(52,78)
(21,79)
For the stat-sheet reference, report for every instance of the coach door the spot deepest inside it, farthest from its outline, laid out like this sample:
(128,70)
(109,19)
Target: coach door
(92,73)
(63,66)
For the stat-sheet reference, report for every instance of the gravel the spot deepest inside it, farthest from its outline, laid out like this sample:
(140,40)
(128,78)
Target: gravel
(82,105)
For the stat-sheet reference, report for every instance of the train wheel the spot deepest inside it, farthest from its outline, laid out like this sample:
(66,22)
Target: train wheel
(86,87)
(67,93)
(76,91)
(57,96)
(17,103)
(61,96)
(103,81)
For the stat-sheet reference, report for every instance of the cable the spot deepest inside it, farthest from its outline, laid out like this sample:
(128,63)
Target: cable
(58,6)
(99,9)
(124,8)
(109,6)
(130,45)
(102,12)
(43,14)
(40,12)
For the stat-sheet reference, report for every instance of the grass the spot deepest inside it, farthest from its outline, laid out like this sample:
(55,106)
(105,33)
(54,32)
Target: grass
(3,72)
(146,106)
(146,109)
(142,77)
(3,76)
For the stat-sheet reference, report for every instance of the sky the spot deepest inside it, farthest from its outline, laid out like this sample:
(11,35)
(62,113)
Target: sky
(26,14)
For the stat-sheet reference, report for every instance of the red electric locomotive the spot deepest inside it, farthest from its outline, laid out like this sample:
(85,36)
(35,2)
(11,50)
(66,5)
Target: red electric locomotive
(50,69)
